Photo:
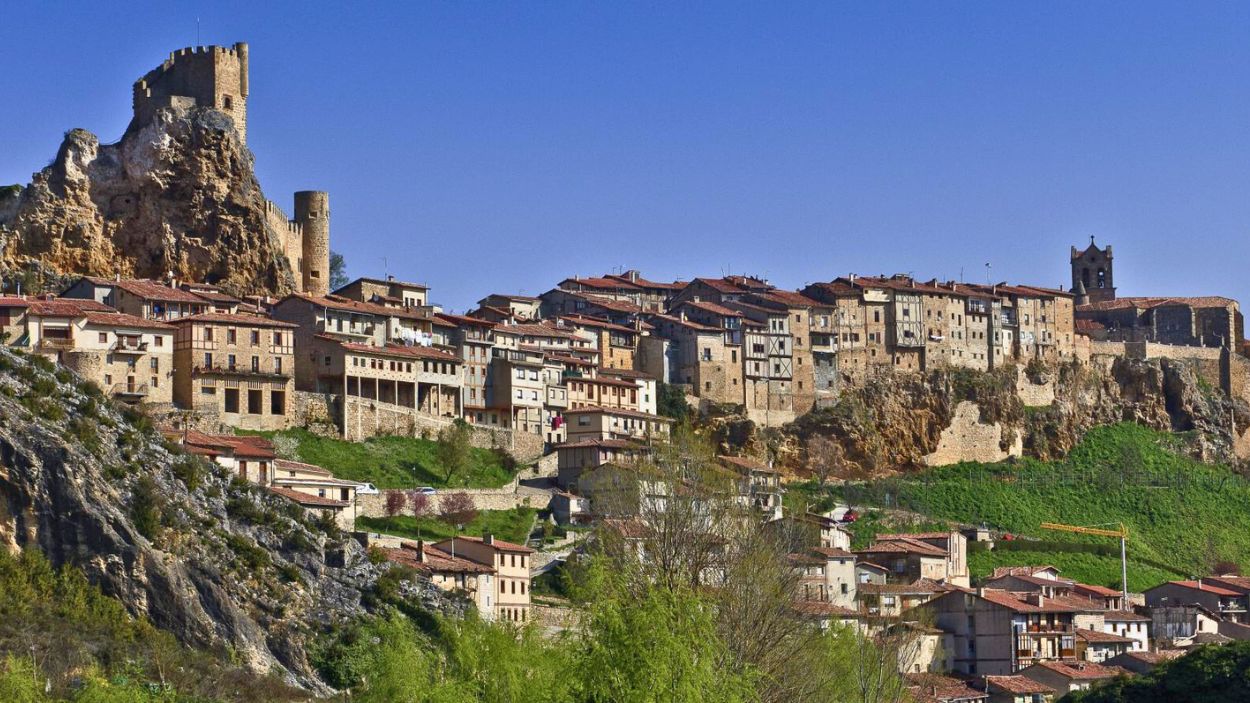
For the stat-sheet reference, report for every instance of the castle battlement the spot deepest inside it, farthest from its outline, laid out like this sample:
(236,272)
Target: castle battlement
(211,76)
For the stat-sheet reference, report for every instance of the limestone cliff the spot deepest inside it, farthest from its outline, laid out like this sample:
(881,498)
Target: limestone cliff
(907,421)
(177,195)
(218,562)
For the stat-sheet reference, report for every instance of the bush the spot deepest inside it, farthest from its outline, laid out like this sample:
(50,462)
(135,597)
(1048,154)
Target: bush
(187,469)
(146,507)
(394,503)
(457,509)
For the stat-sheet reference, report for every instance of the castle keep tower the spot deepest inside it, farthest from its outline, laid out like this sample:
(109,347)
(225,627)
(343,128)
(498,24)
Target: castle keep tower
(312,214)
(207,76)
(1091,270)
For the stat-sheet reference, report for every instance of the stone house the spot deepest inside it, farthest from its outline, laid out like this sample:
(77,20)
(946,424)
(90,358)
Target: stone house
(575,458)
(594,391)
(951,542)
(695,355)
(654,296)
(799,311)
(472,340)
(1017,689)
(1065,677)
(518,308)
(907,560)
(648,398)
(615,423)
(999,632)
(891,600)
(557,302)
(617,344)
(768,364)
(1213,595)
(511,563)
(130,358)
(1098,646)
(419,379)
(719,290)
(253,459)
(455,574)
(237,368)
(387,292)
(139,297)
(516,389)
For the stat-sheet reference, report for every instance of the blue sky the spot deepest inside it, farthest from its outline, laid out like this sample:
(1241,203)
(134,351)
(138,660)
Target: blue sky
(493,146)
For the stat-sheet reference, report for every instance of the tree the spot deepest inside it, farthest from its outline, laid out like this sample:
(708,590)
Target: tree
(394,503)
(824,457)
(419,504)
(454,448)
(338,271)
(457,509)
(671,402)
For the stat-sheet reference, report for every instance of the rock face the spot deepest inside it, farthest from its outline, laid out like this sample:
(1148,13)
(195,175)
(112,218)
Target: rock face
(901,422)
(177,195)
(216,561)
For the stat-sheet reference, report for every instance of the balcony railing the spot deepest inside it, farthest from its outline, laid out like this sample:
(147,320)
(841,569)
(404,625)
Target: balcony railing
(130,389)
(236,369)
(56,343)
(129,346)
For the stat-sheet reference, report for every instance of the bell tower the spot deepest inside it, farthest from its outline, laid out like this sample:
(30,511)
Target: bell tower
(1092,271)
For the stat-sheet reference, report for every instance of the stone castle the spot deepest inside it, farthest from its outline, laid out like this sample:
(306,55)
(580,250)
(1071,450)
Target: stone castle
(216,76)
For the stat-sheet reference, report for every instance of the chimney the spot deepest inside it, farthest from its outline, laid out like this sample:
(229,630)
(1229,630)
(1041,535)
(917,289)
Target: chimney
(488,538)
(1039,600)
(421,550)
(981,591)
(389,278)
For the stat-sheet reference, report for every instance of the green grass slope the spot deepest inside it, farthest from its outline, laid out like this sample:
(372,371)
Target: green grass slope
(1182,515)
(393,462)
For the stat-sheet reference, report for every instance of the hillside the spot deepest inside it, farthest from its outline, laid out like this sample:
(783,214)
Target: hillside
(391,461)
(1183,515)
(217,563)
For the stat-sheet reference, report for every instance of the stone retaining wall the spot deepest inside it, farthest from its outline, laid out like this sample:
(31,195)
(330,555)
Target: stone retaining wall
(968,439)
(506,498)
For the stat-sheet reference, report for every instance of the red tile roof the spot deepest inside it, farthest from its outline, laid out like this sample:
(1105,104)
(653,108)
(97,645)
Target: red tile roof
(1097,637)
(534,329)
(1016,685)
(744,464)
(832,552)
(66,307)
(1205,587)
(240,319)
(619,411)
(1147,303)
(119,319)
(498,544)
(464,320)
(150,290)
(240,446)
(713,308)
(397,350)
(1081,671)
(307,499)
(433,560)
(600,443)
(335,302)
(904,545)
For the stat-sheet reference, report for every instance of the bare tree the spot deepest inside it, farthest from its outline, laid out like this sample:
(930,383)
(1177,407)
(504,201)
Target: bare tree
(824,458)
(394,503)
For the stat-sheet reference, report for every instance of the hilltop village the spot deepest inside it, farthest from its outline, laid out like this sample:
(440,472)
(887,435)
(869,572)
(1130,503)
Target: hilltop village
(578,384)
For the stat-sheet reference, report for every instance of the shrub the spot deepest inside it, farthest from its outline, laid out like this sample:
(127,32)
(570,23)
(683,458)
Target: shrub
(187,469)
(146,507)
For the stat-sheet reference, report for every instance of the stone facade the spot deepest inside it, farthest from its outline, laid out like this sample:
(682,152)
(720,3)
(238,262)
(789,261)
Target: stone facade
(239,368)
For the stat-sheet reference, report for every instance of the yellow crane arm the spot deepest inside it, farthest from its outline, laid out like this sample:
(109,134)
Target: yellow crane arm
(1121,533)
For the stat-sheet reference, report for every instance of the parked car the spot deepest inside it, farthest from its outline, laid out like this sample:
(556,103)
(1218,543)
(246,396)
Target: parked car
(426,490)
(366,489)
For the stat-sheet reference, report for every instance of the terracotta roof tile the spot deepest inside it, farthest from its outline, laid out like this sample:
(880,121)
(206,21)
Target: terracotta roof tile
(307,499)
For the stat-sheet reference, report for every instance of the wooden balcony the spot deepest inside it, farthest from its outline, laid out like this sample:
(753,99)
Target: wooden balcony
(132,345)
(130,390)
(235,370)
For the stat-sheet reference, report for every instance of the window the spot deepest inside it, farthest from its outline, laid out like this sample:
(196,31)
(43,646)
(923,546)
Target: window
(158,341)
(232,400)
(208,390)
(104,338)
(255,364)
(277,339)
(277,365)
(277,404)
(155,363)
(208,334)
(230,336)
(208,360)
(255,402)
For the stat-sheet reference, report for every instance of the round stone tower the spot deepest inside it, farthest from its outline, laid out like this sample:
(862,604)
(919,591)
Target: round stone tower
(312,212)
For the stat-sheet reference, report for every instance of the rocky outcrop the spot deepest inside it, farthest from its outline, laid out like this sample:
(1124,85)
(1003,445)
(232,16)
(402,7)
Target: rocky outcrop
(176,196)
(899,422)
(216,561)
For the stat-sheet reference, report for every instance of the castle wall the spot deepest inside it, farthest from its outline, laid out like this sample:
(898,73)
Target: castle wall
(312,212)
(214,76)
